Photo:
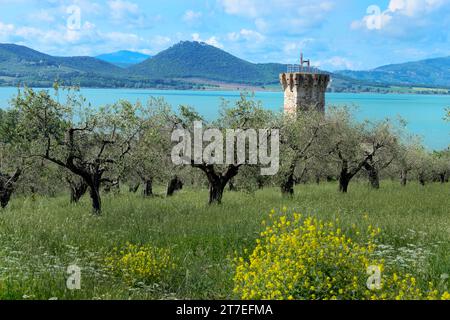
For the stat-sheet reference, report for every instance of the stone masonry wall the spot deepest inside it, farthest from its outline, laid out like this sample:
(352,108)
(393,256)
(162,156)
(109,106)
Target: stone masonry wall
(304,91)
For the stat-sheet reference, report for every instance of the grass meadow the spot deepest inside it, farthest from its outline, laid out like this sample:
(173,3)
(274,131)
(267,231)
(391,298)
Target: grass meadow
(41,237)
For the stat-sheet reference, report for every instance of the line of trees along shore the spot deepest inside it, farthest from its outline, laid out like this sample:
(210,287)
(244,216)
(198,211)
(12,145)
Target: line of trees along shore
(47,146)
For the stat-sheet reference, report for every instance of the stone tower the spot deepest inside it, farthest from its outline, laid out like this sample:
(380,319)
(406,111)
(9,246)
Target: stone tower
(304,88)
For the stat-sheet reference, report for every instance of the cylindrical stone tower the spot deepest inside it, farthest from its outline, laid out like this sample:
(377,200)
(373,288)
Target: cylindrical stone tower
(304,91)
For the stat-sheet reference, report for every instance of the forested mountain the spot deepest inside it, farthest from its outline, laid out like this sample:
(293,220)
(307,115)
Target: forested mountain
(22,60)
(22,65)
(195,65)
(199,60)
(431,72)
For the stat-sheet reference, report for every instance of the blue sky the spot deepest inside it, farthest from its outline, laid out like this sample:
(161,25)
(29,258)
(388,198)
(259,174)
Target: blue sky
(335,34)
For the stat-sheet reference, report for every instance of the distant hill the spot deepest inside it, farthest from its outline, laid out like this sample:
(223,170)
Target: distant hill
(22,65)
(195,65)
(431,72)
(22,60)
(196,61)
(200,60)
(123,58)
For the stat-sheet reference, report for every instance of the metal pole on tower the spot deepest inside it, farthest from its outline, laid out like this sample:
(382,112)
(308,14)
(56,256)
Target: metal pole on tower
(301,61)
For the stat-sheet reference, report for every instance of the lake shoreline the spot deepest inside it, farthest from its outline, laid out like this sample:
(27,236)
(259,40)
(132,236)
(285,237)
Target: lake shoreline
(248,89)
(423,113)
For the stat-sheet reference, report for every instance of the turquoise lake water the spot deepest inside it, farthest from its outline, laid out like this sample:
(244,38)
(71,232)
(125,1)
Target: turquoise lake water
(424,113)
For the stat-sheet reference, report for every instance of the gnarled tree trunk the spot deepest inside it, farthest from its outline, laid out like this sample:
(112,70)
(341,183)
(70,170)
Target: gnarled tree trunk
(134,188)
(217,180)
(232,185)
(216,192)
(78,189)
(348,173)
(344,181)
(374,177)
(148,187)
(94,191)
(7,186)
(175,185)
(96,200)
(344,177)
(422,179)
(404,178)
(287,187)
(260,181)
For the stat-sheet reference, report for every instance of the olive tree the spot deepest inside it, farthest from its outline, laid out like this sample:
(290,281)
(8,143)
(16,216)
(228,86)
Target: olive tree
(384,135)
(11,160)
(150,156)
(414,161)
(423,165)
(441,165)
(301,142)
(243,115)
(355,146)
(89,142)
(407,159)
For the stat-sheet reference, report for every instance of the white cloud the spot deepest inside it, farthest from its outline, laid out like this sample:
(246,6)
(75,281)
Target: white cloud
(191,16)
(257,9)
(42,16)
(261,24)
(399,15)
(5,28)
(60,36)
(130,39)
(161,40)
(87,41)
(5,31)
(122,9)
(212,41)
(335,63)
(87,6)
(246,35)
(248,8)
(290,51)
(130,15)
(412,8)
(294,48)
(158,43)
(287,16)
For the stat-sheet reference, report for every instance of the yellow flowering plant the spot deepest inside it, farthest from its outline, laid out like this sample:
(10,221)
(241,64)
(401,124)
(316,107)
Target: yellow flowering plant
(140,264)
(303,258)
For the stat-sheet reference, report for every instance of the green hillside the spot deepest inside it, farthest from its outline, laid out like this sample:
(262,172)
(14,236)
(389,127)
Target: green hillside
(19,64)
(195,65)
(432,72)
(199,60)
(22,60)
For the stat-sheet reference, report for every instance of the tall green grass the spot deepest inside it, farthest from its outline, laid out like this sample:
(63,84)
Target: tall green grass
(40,237)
